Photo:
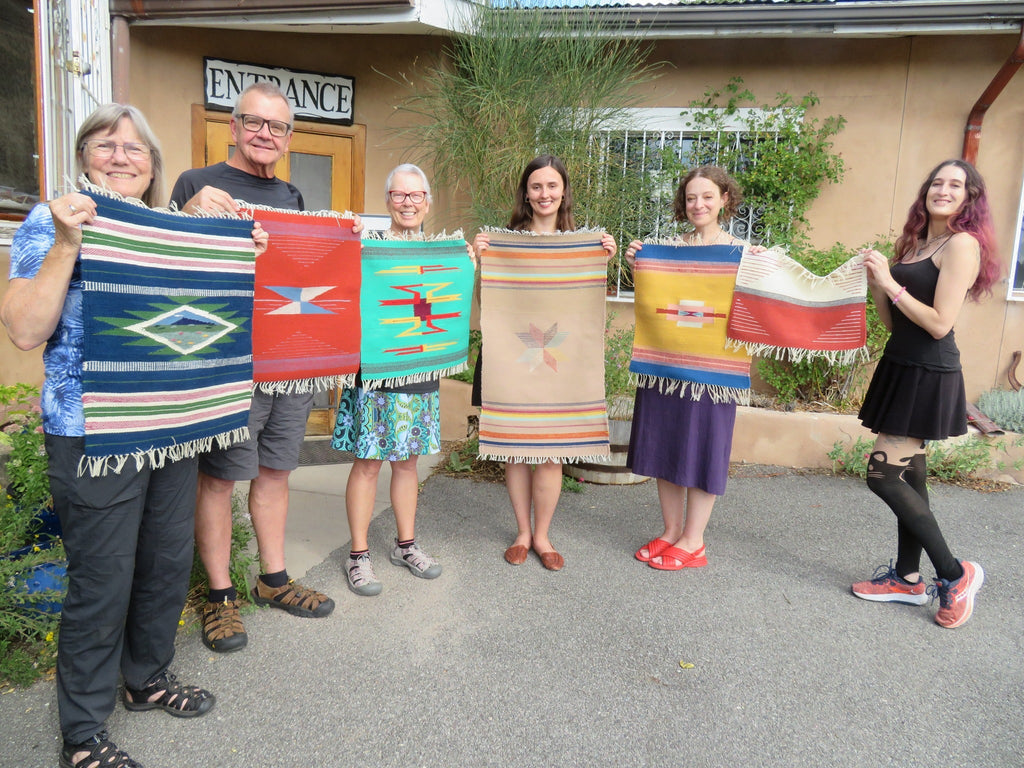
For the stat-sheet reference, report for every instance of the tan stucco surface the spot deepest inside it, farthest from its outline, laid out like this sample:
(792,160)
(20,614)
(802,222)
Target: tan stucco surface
(906,102)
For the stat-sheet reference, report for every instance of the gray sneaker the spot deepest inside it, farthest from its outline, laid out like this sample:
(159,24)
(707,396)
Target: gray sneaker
(361,578)
(416,560)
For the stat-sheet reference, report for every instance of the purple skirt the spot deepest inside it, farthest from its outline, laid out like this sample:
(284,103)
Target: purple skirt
(684,441)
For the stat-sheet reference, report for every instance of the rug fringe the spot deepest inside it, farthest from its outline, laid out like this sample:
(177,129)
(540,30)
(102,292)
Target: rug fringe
(387,234)
(87,186)
(580,231)
(507,459)
(303,386)
(324,214)
(392,382)
(156,458)
(800,354)
(695,390)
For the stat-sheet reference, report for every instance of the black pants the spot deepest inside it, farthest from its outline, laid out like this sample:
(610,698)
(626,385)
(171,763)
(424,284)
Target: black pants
(129,540)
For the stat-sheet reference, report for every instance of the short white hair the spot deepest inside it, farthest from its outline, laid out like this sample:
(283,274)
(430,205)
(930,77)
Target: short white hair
(407,168)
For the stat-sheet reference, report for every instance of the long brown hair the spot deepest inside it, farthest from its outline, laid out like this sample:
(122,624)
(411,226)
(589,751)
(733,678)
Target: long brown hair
(522,212)
(974,217)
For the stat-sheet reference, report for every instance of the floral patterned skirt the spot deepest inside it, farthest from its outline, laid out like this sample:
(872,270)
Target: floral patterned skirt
(389,426)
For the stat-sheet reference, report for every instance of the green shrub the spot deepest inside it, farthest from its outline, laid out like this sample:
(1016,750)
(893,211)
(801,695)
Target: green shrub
(1004,407)
(782,158)
(242,560)
(618,351)
(474,352)
(954,461)
(951,461)
(819,381)
(28,635)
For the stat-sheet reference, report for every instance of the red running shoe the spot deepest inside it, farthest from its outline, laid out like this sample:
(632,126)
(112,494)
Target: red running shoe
(956,598)
(887,587)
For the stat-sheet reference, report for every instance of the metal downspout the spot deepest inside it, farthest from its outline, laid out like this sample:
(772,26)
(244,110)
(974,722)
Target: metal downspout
(119,58)
(972,131)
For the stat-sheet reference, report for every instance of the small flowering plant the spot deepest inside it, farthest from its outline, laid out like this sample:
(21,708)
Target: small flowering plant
(27,487)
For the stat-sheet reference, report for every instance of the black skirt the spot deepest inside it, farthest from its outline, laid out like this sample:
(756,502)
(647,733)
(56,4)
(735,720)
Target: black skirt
(910,401)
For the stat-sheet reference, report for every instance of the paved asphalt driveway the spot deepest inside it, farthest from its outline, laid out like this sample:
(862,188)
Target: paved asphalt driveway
(492,665)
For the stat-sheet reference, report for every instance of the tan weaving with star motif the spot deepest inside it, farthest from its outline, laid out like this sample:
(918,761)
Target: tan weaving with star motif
(542,319)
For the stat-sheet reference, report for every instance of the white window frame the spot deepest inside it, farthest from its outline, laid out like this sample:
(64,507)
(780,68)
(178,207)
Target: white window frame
(1015,286)
(74,79)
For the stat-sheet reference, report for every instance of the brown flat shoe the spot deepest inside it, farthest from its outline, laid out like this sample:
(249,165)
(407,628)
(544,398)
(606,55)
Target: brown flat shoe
(551,560)
(516,554)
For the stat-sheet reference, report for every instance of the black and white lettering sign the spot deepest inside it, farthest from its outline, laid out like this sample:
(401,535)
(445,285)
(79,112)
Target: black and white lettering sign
(313,96)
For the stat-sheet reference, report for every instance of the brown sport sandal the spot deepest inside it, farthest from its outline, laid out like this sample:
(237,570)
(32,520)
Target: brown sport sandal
(294,598)
(223,630)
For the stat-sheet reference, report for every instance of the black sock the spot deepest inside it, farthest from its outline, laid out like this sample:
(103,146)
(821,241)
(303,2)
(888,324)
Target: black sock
(220,595)
(406,544)
(357,553)
(275,580)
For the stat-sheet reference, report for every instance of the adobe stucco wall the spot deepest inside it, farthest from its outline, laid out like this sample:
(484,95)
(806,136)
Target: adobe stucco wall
(906,101)
(16,365)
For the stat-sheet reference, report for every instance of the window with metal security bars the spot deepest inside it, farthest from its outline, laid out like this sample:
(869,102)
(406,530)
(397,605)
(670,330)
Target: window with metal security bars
(645,160)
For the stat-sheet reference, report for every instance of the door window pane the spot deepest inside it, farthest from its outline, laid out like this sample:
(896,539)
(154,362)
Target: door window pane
(312,175)
(19,179)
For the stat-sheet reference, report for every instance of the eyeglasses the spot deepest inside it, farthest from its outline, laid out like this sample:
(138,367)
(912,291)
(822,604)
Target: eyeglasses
(104,148)
(255,123)
(400,197)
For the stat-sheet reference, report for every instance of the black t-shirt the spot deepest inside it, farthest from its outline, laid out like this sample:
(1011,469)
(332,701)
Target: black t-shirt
(240,185)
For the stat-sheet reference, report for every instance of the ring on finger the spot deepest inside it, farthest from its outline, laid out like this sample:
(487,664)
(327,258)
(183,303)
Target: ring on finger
(72,208)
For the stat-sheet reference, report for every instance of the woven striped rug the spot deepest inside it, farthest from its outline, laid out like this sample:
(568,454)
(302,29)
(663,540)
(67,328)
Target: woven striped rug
(542,318)
(306,306)
(415,299)
(783,310)
(683,295)
(167,305)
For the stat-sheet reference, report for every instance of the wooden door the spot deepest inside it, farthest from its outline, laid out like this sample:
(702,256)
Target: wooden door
(326,163)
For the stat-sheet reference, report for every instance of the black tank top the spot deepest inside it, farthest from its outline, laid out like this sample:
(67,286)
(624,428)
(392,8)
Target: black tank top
(911,344)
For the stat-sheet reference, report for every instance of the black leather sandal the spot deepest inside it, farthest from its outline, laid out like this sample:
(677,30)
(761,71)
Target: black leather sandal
(175,699)
(100,751)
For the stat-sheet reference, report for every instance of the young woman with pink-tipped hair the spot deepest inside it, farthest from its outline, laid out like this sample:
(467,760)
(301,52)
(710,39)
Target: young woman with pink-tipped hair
(945,255)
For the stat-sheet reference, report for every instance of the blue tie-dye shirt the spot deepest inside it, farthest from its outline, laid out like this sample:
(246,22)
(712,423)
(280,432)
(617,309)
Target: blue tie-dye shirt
(62,391)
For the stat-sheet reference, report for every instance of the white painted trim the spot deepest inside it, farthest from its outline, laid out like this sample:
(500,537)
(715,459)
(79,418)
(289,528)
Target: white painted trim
(1016,255)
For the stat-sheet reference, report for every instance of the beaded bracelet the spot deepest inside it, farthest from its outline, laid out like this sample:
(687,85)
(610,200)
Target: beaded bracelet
(896,298)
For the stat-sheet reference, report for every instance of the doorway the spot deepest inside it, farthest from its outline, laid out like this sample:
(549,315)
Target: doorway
(328,165)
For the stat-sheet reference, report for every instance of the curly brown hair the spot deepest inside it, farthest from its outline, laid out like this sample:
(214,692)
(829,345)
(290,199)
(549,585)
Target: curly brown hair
(732,195)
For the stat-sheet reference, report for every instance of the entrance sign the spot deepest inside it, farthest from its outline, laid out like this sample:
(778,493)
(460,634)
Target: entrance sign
(314,96)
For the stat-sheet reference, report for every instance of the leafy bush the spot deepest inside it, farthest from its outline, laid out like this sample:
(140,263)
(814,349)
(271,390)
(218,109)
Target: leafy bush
(21,429)
(241,563)
(951,461)
(28,632)
(474,353)
(818,380)
(782,159)
(618,351)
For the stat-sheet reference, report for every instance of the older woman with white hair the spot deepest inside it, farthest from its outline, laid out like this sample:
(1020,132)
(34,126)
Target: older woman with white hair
(397,425)
(127,534)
